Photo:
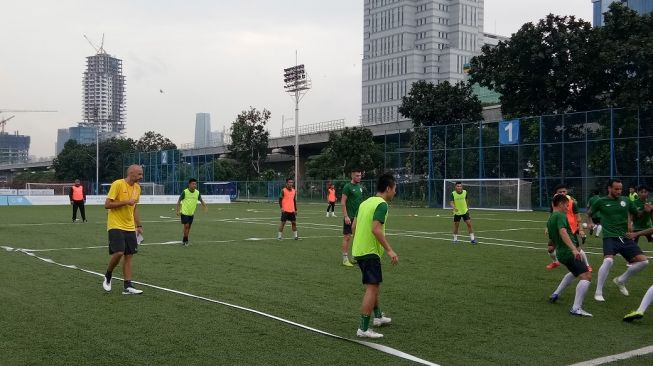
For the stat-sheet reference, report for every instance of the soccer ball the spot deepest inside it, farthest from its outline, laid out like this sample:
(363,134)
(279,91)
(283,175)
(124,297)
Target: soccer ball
(584,225)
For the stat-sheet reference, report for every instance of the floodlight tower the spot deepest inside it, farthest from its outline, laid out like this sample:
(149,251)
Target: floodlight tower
(297,85)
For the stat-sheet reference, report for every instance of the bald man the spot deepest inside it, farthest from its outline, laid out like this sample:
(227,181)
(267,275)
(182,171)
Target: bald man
(123,223)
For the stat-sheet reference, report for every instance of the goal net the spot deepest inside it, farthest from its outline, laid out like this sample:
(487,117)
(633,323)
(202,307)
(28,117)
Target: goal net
(46,189)
(151,189)
(511,194)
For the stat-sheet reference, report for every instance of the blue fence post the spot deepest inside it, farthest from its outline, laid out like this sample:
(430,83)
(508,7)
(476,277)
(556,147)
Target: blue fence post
(481,163)
(430,175)
(611,143)
(541,173)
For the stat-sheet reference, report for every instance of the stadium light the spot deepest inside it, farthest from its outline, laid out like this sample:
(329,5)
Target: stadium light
(297,85)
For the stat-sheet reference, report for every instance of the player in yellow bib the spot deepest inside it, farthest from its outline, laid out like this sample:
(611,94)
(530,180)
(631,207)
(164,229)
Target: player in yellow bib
(369,245)
(186,206)
(461,211)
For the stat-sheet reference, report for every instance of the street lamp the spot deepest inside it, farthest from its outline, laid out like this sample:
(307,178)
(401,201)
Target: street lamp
(297,85)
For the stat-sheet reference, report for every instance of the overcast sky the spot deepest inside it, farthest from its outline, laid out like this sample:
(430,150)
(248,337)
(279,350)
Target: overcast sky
(212,56)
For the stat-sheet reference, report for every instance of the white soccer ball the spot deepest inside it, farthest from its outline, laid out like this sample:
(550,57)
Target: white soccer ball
(437,215)
(584,225)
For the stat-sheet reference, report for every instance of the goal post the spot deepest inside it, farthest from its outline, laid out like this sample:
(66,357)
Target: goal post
(47,189)
(510,194)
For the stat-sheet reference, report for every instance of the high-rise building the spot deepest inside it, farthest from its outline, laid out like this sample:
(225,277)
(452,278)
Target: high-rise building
(14,148)
(202,129)
(599,7)
(63,135)
(410,40)
(83,135)
(104,93)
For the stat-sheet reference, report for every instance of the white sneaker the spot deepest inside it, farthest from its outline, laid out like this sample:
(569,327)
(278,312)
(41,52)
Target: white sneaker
(368,334)
(327,214)
(381,321)
(333,214)
(131,291)
(599,298)
(106,285)
(621,286)
(579,312)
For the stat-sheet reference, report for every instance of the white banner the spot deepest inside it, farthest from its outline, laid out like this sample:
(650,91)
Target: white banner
(7,191)
(99,200)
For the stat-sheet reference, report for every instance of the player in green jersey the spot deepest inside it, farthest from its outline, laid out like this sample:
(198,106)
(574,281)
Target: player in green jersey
(352,196)
(596,217)
(186,206)
(648,296)
(565,244)
(616,218)
(643,206)
(461,211)
(369,245)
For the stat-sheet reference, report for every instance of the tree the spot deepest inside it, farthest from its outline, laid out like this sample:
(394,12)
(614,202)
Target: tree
(77,161)
(249,140)
(429,105)
(347,149)
(542,68)
(152,141)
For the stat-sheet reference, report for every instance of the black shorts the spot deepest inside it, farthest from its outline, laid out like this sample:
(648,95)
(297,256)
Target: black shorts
(122,241)
(288,216)
(624,246)
(575,266)
(186,219)
(370,266)
(596,220)
(346,229)
(465,217)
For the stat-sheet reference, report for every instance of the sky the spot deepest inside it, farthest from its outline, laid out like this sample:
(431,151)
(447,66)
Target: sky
(213,56)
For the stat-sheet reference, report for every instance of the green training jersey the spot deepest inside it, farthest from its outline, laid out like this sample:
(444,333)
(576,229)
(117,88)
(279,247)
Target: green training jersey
(354,193)
(614,215)
(189,201)
(365,243)
(460,202)
(641,219)
(590,202)
(557,221)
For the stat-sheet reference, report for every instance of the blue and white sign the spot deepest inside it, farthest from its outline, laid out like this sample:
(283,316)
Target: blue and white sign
(509,132)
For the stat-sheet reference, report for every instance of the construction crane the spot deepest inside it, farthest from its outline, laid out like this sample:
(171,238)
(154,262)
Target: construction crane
(3,121)
(99,50)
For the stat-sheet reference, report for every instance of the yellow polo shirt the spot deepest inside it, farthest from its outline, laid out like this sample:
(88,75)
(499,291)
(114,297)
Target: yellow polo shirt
(122,217)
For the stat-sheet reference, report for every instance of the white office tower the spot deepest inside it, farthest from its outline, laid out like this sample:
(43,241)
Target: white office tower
(202,129)
(410,40)
(104,94)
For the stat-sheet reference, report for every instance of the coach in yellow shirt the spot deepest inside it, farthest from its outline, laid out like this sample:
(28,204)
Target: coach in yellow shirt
(123,223)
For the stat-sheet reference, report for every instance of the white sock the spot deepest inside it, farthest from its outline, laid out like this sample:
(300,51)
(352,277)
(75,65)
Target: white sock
(604,271)
(646,301)
(279,234)
(455,237)
(345,257)
(584,256)
(581,290)
(294,233)
(566,280)
(553,256)
(598,230)
(634,268)
(471,236)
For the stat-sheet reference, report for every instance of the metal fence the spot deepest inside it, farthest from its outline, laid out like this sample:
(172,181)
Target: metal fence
(582,149)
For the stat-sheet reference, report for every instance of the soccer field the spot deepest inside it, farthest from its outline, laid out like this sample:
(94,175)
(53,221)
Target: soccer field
(450,304)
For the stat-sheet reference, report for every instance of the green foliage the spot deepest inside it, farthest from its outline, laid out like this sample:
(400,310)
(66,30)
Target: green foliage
(345,150)
(227,170)
(77,161)
(152,141)
(249,140)
(18,181)
(562,64)
(431,105)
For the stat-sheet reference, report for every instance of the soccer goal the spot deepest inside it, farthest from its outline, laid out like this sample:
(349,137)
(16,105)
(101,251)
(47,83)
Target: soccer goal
(512,194)
(152,189)
(46,189)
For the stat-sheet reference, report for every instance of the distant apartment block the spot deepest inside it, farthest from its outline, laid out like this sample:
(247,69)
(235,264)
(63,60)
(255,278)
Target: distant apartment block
(202,129)
(104,94)
(410,40)
(599,7)
(83,135)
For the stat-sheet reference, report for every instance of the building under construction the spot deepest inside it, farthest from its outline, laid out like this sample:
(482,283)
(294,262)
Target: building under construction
(104,93)
(13,148)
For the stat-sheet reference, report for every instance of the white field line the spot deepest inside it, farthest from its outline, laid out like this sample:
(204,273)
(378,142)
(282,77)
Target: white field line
(378,347)
(617,357)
